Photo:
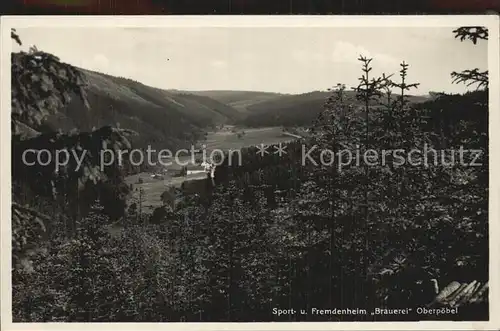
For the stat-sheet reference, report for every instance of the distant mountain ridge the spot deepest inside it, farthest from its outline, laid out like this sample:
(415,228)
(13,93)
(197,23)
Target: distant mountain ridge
(295,109)
(240,100)
(174,118)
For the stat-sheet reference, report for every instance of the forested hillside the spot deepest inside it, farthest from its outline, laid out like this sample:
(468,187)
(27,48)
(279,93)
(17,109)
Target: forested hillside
(163,119)
(240,100)
(295,110)
(272,232)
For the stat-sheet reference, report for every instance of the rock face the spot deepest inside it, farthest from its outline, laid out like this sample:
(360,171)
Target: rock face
(470,298)
(462,294)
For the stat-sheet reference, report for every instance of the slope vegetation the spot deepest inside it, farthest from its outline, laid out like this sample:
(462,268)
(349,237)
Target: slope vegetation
(240,100)
(295,110)
(162,118)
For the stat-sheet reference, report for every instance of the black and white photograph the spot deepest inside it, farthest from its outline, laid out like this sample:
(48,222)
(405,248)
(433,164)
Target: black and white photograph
(241,170)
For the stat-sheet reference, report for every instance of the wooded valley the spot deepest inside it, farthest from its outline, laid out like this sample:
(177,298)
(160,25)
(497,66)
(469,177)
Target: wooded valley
(271,232)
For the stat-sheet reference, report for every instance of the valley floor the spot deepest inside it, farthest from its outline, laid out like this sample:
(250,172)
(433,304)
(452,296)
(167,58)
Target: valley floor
(225,139)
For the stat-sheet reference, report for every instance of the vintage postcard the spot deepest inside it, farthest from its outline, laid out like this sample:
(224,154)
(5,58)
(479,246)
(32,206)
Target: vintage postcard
(250,173)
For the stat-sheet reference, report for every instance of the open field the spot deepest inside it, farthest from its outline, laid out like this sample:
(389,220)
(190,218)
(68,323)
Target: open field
(223,140)
(227,140)
(152,188)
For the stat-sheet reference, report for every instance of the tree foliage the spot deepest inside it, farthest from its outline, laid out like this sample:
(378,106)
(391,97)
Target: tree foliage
(42,85)
(471,76)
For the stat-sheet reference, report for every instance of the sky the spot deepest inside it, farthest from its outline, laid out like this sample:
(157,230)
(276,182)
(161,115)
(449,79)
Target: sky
(285,60)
